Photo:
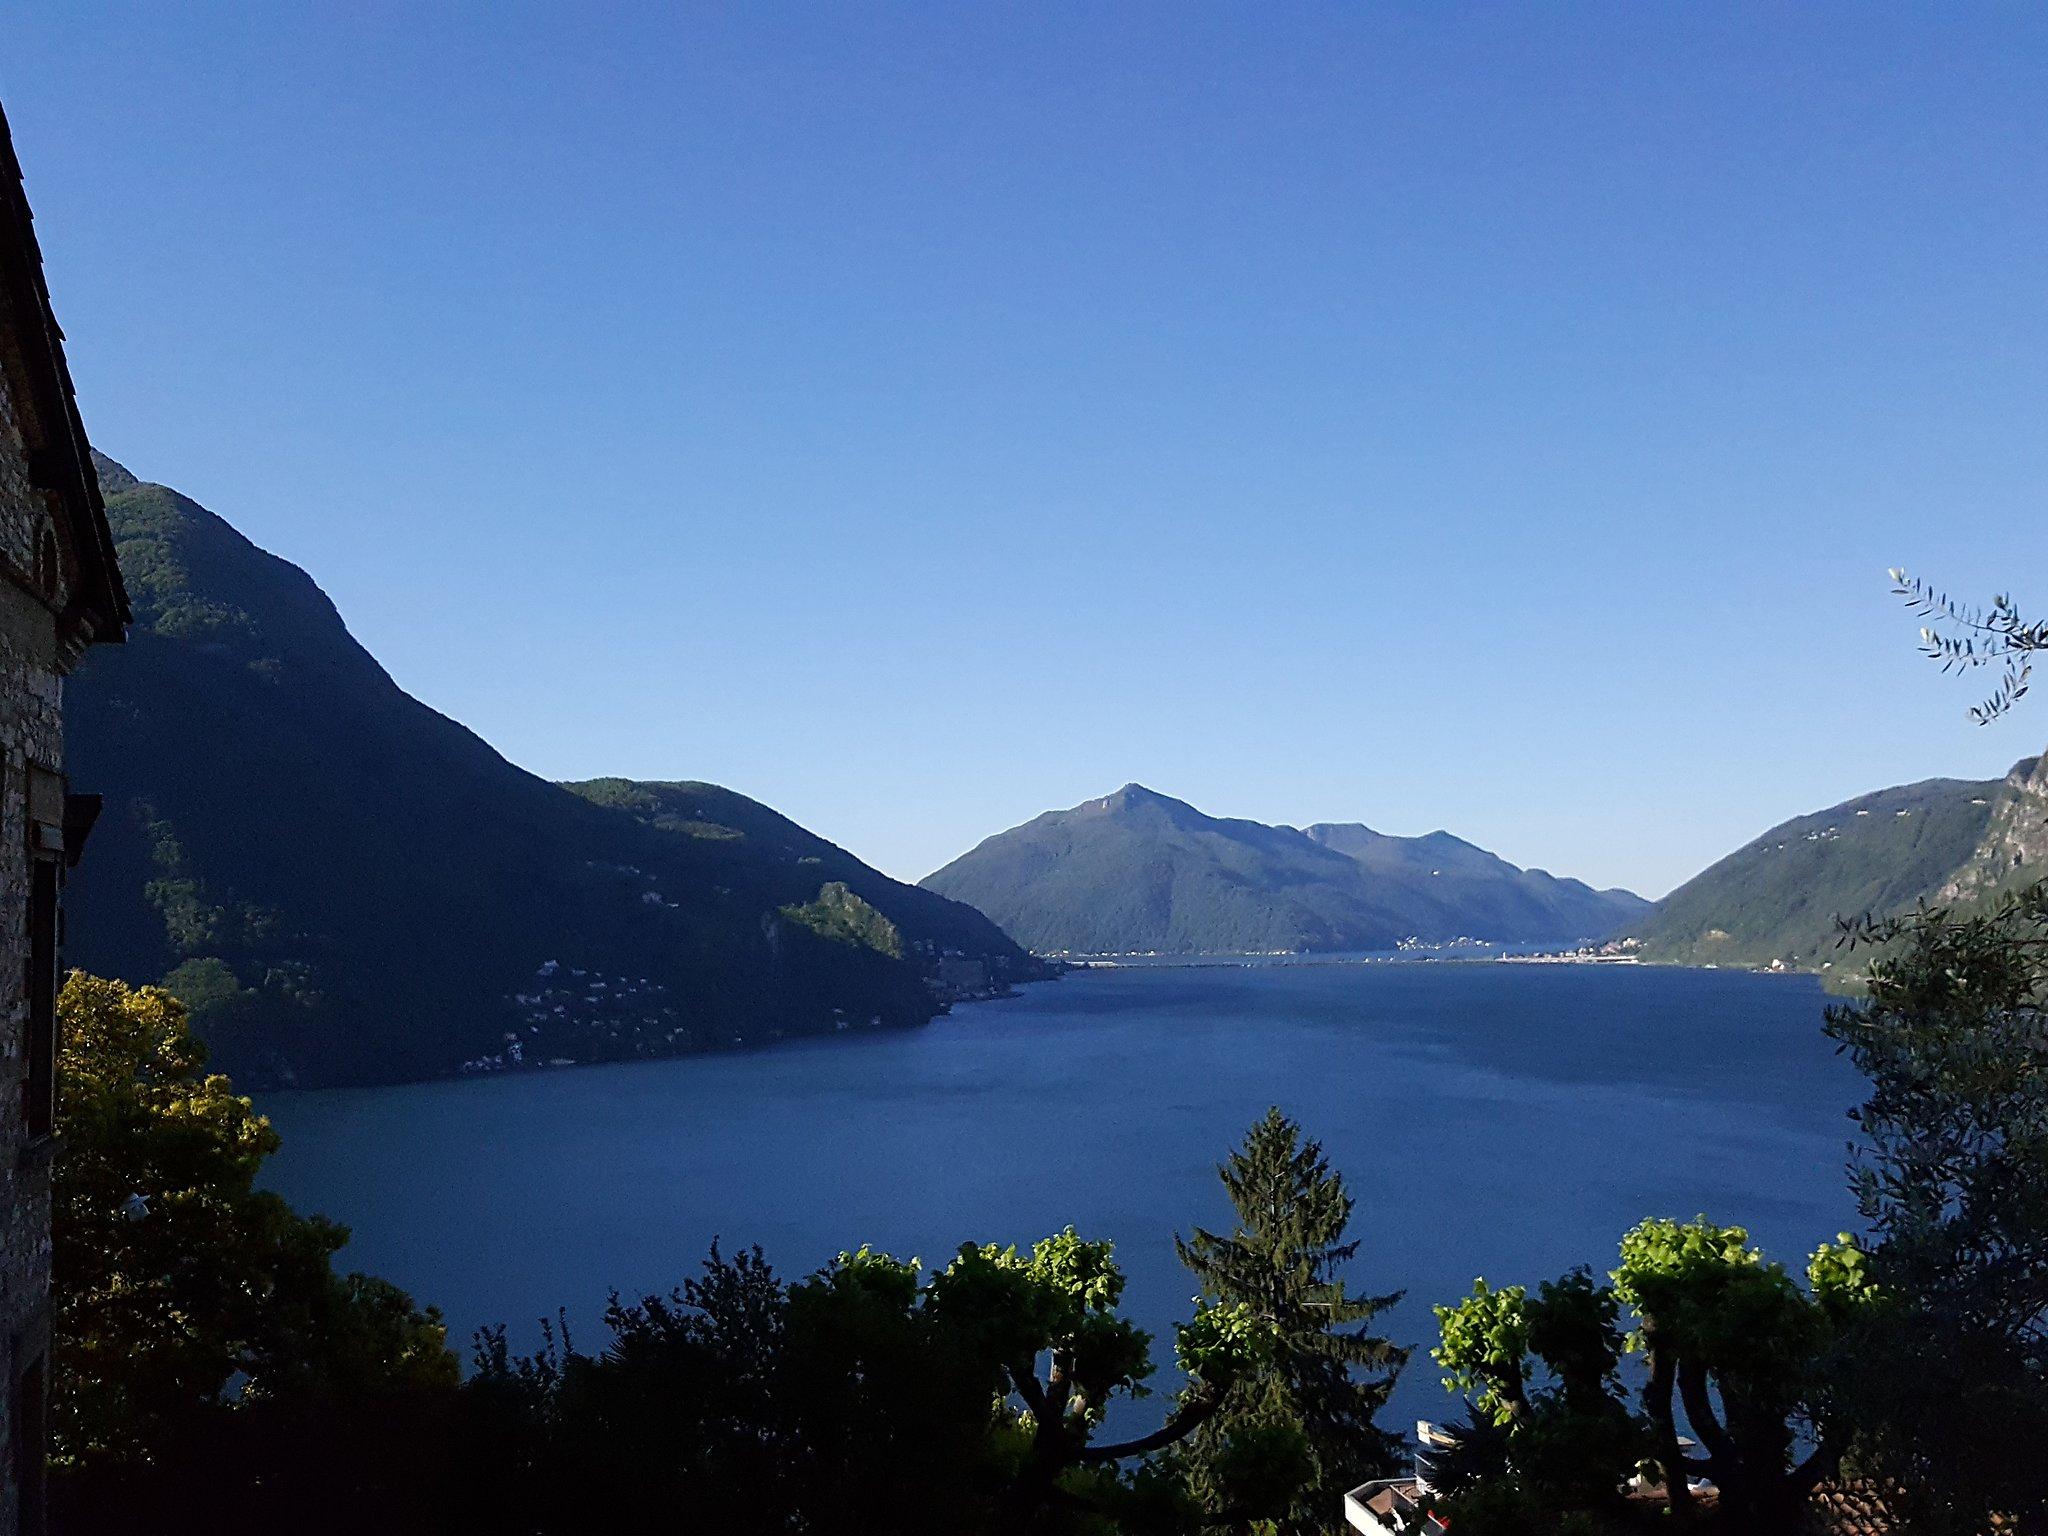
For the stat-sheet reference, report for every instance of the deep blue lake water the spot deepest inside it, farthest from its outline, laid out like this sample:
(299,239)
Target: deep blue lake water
(1509,1120)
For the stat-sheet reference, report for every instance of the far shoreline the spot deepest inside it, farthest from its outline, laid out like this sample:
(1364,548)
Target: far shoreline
(1262,959)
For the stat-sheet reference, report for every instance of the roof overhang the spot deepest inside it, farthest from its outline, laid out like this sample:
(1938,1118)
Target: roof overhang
(59,456)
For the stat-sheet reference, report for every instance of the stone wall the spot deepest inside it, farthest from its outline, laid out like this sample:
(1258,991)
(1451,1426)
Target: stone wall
(24,511)
(30,734)
(20,508)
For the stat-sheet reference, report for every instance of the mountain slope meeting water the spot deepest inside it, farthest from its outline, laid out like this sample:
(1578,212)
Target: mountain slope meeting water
(1139,871)
(1778,898)
(350,887)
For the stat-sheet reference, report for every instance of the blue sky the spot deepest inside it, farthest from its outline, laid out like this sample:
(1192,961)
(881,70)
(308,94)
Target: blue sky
(1496,418)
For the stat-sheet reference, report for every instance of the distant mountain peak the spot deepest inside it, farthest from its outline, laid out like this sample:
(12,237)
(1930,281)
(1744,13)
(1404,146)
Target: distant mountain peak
(1137,870)
(1136,799)
(1134,793)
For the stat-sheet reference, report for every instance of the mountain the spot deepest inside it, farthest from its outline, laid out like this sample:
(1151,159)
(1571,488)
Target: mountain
(1140,871)
(1451,885)
(2013,849)
(349,887)
(1777,898)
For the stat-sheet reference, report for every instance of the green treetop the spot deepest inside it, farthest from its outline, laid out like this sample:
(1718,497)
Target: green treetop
(1329,1373)
(179,1285)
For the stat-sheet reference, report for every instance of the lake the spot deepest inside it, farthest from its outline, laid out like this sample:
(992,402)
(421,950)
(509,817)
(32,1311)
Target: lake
(1498,1119)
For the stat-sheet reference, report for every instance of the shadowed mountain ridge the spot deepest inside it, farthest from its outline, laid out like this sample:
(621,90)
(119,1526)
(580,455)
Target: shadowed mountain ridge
(350,887)
(1139,871)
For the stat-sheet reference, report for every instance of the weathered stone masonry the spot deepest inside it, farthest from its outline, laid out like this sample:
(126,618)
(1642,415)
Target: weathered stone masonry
(59,591)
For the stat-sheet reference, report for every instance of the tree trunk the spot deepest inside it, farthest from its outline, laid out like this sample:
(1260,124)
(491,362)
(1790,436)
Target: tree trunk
(1664,1425)
(1724,1459)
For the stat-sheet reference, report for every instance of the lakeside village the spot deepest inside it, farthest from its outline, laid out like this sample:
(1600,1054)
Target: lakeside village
(1613,952)
(572,1016)
(1610,952)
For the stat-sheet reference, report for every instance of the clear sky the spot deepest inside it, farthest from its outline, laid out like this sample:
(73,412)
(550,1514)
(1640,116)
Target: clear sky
(917,417)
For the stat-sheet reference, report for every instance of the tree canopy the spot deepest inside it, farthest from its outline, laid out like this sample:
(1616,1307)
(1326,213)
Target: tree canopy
(1949,1378)
(868,1396)
(1735,1350)
(189,1303)
(1305,1418)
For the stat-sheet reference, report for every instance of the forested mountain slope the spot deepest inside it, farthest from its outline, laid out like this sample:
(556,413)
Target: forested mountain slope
(351,887)
(1141,871)
(1778,897)
(1450,883)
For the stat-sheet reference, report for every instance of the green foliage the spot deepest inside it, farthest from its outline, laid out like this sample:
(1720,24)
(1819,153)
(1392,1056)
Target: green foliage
(1554,1439)
(711,831)
(203,984)
(1947,1378)
(149,544)
(891,1280)
(1962,638)
(843,917)
(1060,1301)
(1468,1452)
(1499,1507)
(191,922)
(1258,1463)
(190,1306)
(1223,1341)
(1713,1312)
(1843,1280)
(619,794)
(990,1295)
(654,804)
(866,1397)
(1484,1349)
(1751,1355)
(1779,896)
(1953,1166)
(1314,1374)
(1574,1328)
(1698,1285)
(177,1279)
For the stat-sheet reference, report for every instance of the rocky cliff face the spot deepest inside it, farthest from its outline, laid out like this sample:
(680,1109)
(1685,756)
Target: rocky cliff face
(2014,847)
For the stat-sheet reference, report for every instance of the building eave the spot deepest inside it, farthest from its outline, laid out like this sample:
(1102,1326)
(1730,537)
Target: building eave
(60,456)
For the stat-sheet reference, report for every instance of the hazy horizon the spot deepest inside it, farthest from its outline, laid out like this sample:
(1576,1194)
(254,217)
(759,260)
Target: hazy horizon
(919,420)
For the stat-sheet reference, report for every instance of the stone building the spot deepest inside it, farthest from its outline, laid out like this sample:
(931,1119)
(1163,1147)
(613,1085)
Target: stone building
(60,591)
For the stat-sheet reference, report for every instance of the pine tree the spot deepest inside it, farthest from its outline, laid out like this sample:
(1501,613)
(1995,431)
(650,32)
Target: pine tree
(1330,1374)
